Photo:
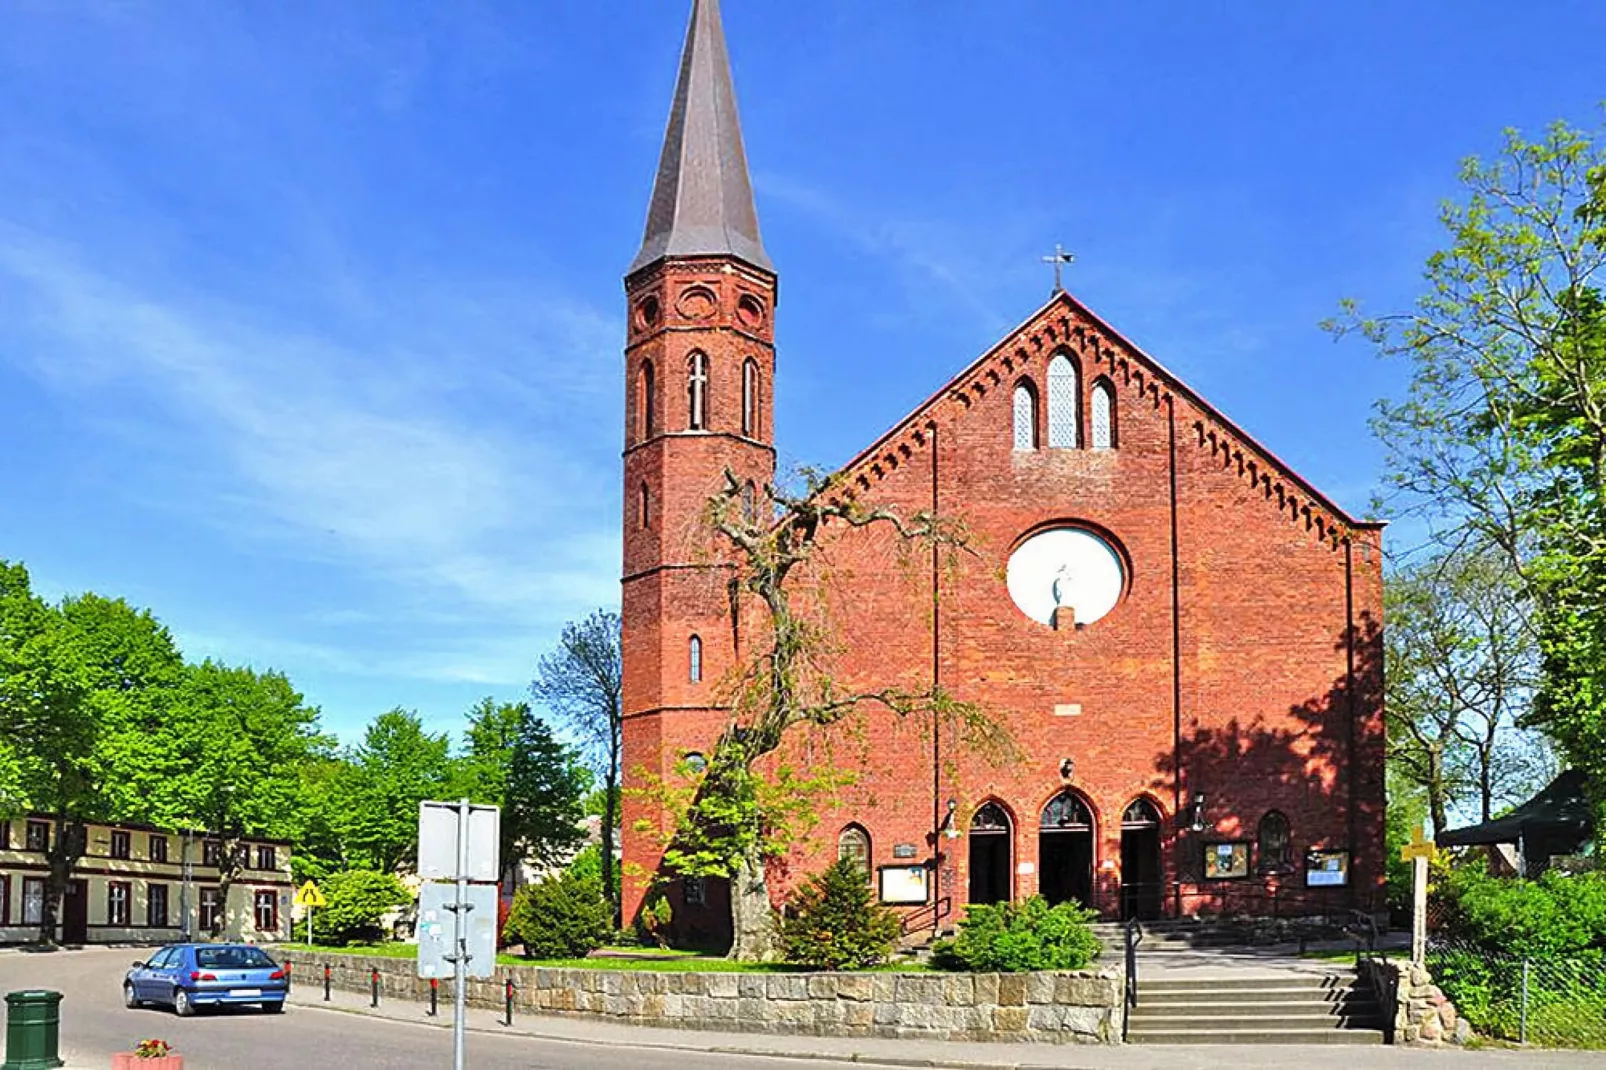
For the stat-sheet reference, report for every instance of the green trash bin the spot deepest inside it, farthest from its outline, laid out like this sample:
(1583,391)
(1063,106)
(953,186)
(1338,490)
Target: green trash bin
(33,1030)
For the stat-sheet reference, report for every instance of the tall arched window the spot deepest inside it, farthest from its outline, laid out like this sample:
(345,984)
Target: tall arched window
(1062,403)
(1102,416)
(1025,416)
(647,403)
(853,844)
(646,506)
(697,392)
(694,653)
(1273,844)
(749,398)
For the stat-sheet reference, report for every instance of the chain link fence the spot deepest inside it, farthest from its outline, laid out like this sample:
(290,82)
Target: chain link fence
(1546,1001)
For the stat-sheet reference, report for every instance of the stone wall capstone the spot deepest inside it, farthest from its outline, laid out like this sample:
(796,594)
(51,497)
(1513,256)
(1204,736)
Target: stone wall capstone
(1081,1007)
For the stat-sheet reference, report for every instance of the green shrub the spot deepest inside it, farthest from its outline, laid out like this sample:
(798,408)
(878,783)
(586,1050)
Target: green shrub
(834,923)
(654,922)
(1029,935)
(358,899)
(560,917)
(587,866)
(1558,914)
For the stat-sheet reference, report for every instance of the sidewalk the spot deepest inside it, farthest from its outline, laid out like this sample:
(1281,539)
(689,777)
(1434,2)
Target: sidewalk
(960,1055)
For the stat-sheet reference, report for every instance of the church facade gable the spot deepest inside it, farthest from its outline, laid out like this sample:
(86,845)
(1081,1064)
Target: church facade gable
(1181,637)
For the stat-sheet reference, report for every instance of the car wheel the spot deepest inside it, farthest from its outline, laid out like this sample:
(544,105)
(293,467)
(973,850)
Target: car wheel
(274,1007)
(183,1006)
(128,997)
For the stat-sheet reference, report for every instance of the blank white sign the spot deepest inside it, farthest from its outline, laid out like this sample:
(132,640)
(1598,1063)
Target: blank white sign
(437,842)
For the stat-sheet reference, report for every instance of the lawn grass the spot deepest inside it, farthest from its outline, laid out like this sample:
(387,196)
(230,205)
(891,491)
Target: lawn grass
(660,960)
(1331,954)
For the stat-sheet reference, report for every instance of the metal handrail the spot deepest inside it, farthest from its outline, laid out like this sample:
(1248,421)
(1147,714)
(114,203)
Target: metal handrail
(927,916)
(1134,937)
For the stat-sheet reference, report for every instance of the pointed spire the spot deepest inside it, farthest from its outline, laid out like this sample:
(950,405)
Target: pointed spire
(702,201)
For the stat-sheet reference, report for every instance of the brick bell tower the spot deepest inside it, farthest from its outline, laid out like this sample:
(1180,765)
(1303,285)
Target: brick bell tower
(699,374)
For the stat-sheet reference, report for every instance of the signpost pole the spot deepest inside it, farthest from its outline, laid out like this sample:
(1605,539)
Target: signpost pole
(1418,851)
(310,941)
(460,941)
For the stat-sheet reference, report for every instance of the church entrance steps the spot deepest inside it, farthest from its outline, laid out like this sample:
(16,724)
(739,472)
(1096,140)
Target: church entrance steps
(1287,1007)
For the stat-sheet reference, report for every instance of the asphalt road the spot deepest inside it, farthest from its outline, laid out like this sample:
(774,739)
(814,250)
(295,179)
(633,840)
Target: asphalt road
(95,1024)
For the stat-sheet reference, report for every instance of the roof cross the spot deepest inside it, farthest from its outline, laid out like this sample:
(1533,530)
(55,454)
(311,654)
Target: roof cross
(1059,260)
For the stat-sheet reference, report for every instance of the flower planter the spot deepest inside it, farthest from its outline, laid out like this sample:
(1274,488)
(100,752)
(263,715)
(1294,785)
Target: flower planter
(127,1060)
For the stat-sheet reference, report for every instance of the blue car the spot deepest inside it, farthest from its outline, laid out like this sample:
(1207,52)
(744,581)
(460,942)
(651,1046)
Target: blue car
(191,976)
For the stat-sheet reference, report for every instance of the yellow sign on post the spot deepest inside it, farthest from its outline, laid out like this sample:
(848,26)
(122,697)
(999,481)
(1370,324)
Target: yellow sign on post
(310,897)
(1418,852)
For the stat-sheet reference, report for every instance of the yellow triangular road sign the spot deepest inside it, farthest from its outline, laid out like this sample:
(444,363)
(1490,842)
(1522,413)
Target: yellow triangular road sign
(308,895)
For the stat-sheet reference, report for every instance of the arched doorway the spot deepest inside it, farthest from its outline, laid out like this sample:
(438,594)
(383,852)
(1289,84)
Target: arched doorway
(1142,880)
(1065,850)
(991,836)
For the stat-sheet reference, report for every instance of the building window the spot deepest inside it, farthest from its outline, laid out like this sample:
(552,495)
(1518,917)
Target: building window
(211,852)
(696,891)
(38,836)
(853,845)
(33,900)
(267,858)
(749,398)
(5,835)
(750,504)
(158,846)
(211,901)
(1062,402)
(1025,416)
(156,906)
(697,392)
(646,506)
(1140,814)
(121,844)
(118,896)
(5,899)
(1103,417)
(647,403)
(1273,844)
(695,653)
(266,904)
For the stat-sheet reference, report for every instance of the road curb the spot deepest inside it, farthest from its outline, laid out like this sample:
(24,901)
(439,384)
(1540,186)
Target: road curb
(857,1058)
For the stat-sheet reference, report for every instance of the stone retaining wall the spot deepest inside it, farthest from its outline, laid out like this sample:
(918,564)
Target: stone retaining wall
(1085,1007)
(1414,1009)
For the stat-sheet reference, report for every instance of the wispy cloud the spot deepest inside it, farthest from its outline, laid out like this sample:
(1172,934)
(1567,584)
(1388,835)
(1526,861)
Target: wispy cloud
(420,467)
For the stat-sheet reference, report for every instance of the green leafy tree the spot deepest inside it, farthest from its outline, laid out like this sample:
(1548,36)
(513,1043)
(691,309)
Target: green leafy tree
(546,784)
(833,922)
(746,806)
(559,917)
(358,900)
(1461,665)
(375,794)
(581,683)
(120,668)
(1500,439)
(241,739)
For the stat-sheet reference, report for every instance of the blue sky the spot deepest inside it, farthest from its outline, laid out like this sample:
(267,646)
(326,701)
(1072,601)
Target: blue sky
(310,314)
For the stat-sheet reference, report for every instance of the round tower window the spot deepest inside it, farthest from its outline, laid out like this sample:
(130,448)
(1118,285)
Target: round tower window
(1066,575)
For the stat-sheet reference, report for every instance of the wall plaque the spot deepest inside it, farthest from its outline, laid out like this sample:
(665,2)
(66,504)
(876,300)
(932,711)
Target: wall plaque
(904,850)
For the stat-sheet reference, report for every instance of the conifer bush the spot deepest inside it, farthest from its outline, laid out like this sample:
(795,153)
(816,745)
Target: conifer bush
(834,923)
(1029,935)
(560,917)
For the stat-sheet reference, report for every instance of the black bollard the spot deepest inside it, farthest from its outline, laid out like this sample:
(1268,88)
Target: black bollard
(373,979)
(434,995)
(509,993)
(326,982)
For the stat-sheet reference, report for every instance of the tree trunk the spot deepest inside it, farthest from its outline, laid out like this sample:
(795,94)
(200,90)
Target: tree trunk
(228,868)
(752,917)
(66,848)
(610,804)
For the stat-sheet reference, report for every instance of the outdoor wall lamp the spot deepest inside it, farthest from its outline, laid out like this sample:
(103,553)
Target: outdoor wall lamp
(1067,768)
(949,827)
(1196,814)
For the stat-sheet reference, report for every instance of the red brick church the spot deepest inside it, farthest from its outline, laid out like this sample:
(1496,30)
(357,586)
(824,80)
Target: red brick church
(1181,634)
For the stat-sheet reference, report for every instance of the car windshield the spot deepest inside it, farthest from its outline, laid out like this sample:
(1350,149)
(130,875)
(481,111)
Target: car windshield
(231,958)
